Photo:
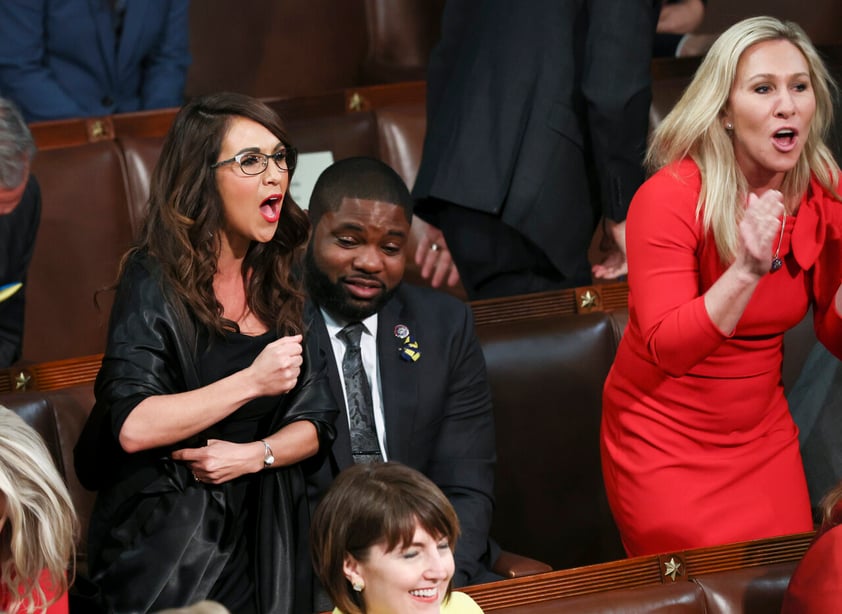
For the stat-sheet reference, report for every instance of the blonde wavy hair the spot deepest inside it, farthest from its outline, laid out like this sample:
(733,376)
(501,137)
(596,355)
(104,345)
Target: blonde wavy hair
(693,128)
(38,536)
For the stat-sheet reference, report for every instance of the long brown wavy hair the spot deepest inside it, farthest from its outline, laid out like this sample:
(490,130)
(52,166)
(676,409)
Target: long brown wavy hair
(185,214)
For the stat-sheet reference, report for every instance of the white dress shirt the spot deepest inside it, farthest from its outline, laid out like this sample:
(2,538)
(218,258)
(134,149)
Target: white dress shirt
(368,348)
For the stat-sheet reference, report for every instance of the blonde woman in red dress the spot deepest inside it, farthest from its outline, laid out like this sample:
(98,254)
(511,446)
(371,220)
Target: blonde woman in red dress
(37,523)
(730,243)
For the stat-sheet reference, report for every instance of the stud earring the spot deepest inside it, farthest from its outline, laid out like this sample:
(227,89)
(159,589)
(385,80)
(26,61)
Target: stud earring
(358,586)
(729,126)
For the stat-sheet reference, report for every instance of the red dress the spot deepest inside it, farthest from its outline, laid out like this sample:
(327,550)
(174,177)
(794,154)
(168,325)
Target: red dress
(816,585)
(698,446)
(59,607)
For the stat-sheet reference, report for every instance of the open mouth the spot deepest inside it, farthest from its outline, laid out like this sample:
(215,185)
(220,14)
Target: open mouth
(270,208)
(425,594)
(785,139)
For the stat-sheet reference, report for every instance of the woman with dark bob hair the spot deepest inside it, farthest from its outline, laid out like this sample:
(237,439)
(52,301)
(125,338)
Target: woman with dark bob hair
(382,541)
(206,402)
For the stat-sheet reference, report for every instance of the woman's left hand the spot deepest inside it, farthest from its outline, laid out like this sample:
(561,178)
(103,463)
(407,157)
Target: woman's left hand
(222,461)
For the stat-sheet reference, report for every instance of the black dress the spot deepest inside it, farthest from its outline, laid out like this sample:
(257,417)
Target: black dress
(158,538)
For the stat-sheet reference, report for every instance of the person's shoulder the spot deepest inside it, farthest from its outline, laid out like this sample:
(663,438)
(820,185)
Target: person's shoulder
(30,200)
(140,266)
(422,298)
(674,187)
(141,279)
(816,584)
(461,603)
(684,172)
(431,307)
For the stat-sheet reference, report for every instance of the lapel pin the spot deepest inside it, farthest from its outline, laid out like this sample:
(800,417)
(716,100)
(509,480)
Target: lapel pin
(408,350)
(10,289)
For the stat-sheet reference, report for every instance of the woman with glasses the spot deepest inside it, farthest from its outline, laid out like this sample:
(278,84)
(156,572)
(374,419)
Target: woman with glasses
(207,402)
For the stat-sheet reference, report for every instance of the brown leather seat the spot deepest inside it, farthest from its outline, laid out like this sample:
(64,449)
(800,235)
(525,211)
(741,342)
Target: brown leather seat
(546,379)
(85,228)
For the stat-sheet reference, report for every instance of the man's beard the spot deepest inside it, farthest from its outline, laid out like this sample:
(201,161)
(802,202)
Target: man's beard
(335,297)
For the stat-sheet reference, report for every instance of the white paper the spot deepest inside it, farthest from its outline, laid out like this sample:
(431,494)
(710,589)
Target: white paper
(307,170)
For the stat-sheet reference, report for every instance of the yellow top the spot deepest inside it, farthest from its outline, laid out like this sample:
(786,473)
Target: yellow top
(459,603)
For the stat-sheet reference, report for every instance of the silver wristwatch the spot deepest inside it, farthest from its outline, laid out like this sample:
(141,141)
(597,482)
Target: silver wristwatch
(268,457)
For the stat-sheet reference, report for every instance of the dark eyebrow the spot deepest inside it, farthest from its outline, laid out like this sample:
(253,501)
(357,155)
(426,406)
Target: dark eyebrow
(396,233)
(277,148)
(348,226)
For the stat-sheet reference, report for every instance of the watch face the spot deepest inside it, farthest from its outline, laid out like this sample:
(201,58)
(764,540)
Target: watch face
(268,457)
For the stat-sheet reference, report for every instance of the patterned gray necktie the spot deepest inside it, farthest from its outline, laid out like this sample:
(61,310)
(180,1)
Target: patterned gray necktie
(364,444)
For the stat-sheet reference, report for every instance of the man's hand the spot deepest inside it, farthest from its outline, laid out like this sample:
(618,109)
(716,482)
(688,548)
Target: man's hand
(432,254)
(681,17)
(614,264)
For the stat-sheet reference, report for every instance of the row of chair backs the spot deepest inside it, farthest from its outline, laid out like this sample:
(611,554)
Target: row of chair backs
(95,175)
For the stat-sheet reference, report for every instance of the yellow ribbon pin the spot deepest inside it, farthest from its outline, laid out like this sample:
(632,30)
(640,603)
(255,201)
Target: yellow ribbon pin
(9,290)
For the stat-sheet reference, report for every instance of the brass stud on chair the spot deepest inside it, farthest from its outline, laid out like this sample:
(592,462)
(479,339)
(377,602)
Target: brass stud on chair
(587,300)
(99,129)
(22,381)
(355,103)
(672,568)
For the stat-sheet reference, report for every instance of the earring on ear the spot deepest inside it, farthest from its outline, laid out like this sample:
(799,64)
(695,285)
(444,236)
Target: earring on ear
(358,585)
(729,127)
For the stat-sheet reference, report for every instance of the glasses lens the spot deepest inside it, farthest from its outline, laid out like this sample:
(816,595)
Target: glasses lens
(285,159)
(253,163)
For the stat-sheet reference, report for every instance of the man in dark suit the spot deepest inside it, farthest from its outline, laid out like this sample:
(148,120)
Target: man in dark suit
(425,369)
(20,215)
(81,58)
(537,116)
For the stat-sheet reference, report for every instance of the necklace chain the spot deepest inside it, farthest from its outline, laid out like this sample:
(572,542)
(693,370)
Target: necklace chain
(777,263)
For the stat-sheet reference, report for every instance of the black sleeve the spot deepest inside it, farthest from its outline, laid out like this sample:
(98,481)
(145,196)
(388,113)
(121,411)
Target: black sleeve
(618,90)
(18,231)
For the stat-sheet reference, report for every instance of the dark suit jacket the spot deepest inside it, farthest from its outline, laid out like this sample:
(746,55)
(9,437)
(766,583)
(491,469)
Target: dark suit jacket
(59,58)
(438,412)
(529,104)
(18,230)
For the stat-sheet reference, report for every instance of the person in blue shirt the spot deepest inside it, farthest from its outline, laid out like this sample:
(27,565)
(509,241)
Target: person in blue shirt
(83,58)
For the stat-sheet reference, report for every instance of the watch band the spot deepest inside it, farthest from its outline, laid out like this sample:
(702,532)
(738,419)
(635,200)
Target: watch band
(268,457)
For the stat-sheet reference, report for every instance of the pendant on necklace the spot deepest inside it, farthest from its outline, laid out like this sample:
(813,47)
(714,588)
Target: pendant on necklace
(777,263)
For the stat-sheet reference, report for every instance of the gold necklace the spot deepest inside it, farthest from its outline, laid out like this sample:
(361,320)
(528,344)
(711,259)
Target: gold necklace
(777,263)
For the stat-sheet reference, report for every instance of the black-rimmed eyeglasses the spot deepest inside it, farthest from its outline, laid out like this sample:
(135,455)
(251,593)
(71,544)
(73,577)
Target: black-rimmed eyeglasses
(254,162)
